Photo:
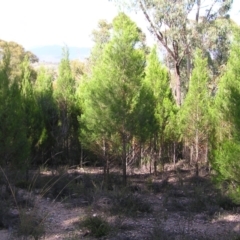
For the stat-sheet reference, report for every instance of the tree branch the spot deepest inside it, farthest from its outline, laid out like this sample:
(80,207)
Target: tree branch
(184,53)
(210,10)
(158,34)
(198,10)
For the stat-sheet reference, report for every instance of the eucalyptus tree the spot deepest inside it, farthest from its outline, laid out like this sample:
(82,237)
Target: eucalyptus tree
(181,26)
(18,53)
(194,113)
(227,124)
(78,69)
(100,36)
(103,33)
(113,87)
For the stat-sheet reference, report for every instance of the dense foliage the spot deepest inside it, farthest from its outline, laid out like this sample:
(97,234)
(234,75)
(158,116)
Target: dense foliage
(123,106)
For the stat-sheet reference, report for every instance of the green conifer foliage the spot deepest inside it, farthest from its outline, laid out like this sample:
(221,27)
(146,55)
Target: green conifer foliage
(226,160)
(194,112)
(112,90)
(155,106)
(43,91)
(65,96)
(14,148)
(32,120)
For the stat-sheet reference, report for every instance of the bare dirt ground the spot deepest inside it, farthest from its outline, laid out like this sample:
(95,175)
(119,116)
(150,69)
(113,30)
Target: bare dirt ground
(173,205)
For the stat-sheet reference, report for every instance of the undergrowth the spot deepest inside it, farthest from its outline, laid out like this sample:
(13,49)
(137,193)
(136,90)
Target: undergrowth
(190,196)
(97,226)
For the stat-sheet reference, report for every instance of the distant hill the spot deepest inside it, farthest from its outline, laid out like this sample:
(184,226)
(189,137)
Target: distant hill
(53,53)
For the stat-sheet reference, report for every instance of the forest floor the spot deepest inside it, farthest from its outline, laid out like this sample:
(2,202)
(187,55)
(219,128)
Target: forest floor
(72,204)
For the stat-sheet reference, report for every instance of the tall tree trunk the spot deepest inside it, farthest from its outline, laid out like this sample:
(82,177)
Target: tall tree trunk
(161,158)
(150,164)
(124,160)
(81,156)
(191,154)
(178,84)
(105,165)
(198,10)
(107,176)
(133,150)
(206,158)
(188,66)
(141,155)
(197,152)
(155,156)
(155,164)
(174,153)
(206,153)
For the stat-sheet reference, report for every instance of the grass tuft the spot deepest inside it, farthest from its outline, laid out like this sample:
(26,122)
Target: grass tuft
(31,224)
(130,204)
(97,226)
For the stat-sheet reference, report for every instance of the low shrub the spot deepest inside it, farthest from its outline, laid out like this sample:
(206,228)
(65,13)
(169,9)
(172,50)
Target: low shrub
(31,224)
(97,226)
(130,204)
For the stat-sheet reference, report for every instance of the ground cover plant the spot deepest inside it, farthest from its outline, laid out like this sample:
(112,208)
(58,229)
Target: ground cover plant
(180,209)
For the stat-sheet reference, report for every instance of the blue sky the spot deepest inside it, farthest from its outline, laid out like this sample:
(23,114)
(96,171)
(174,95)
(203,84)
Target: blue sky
(34,23)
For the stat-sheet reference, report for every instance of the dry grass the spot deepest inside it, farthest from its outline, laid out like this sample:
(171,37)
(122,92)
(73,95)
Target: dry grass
(149,207)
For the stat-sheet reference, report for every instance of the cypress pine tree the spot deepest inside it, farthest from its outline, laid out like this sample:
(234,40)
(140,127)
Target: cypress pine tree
(155,106)
(65,96)
(14,148)
(226,160)
(112,90)
(32,120)
(194,112)
(43,91)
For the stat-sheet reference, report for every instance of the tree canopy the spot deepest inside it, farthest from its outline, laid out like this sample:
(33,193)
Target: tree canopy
(131,105)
